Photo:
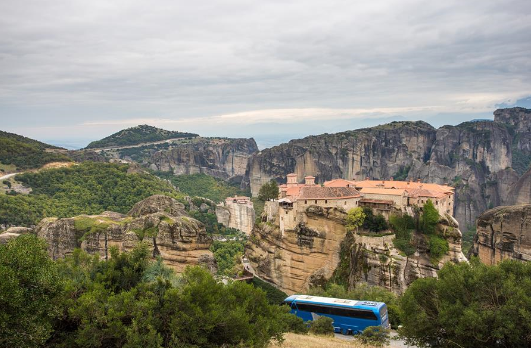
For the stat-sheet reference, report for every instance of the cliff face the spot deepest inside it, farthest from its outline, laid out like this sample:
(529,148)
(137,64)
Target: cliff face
(159,221)
(476,157)
(309,254)
(378,152)
(503,233)
(220,157)
(238,216)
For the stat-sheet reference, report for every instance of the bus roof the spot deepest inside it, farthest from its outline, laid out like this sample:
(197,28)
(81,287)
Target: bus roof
(335,301)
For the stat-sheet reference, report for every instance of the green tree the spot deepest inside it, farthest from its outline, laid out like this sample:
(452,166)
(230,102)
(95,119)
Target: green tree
(355,218)
(375,336)
(430,217)
(470,305)
(268,191)
(30,292)
(322,326)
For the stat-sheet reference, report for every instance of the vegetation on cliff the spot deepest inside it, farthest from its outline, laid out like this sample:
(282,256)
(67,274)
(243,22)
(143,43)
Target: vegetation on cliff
(138,135)
(127,301)
(202,185)
(88,188)
(268,191)
(25,153)
(470,305)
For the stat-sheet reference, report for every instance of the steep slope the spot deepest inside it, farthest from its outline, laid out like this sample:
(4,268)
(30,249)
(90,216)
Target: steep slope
(138,135)
(21,153)
(475,157)
(223,158)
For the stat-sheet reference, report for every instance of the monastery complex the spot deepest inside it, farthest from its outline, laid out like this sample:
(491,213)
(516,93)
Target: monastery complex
(382,196)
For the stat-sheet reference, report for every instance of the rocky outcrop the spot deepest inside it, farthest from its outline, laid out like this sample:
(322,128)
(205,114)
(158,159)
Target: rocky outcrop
(159,221)
(309,254)
(224,158)
(482,159)
(13,232)
(503,233)
(236,215)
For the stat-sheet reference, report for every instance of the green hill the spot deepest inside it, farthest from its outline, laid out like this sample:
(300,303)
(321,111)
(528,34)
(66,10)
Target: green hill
(138,135)
(21,153)
(87,188)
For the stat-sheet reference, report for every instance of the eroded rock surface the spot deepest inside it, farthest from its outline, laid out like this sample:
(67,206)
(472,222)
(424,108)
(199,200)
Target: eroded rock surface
(503,233)
(308,255)
(159,221)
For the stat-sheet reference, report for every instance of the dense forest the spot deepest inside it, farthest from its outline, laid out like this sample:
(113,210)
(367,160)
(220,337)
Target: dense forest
(87,188)
(23,153)
(138,135)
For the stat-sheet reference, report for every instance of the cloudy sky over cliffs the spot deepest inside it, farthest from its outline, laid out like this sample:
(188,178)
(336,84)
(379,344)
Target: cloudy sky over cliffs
(73,69)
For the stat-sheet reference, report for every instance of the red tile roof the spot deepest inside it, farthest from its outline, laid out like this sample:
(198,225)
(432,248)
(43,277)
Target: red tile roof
(318,192)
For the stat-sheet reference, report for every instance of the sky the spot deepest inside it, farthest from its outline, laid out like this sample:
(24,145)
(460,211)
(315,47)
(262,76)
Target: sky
(73,71)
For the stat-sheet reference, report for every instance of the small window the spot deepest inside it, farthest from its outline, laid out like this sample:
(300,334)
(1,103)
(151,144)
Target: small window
(316,201)
(326,201)
(305,202)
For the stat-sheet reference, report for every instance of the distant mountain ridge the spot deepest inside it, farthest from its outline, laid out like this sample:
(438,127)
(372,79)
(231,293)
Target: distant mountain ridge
(20,153)
(138,135)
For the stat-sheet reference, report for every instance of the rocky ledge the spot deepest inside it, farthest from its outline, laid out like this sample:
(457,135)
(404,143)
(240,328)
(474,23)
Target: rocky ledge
(159,221)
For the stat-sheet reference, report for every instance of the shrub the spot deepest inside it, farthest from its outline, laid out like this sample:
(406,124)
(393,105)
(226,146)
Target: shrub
(375,336)
(430,217)
(268,191)
(322,326)
(438,246)
(470,305)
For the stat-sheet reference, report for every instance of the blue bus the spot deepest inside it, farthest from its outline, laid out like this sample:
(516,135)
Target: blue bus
(349,316)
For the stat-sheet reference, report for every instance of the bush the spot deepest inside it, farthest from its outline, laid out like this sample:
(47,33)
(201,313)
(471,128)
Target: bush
(438,247)
(470,305)
(293,323)
(375,336)
(322,326)
(374,223)
(430,217)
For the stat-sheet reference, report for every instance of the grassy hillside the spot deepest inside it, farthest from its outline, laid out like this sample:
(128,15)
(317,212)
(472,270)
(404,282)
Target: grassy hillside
(138,135)
(21,153)
(202,185)
(88,188)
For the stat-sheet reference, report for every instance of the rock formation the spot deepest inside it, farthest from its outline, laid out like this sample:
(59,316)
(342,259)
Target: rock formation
(236,212)
(503,233)
(309,254)
(13,232)
(220,157)
(159,221)
(482,159)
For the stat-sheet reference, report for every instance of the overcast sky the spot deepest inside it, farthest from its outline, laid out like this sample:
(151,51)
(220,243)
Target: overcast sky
(73,71)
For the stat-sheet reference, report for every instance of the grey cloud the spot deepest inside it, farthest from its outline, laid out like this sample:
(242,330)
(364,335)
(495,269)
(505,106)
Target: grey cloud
(72,61)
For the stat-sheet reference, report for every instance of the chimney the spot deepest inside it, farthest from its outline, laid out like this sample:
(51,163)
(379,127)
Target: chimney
(392,179)
(367,178)
(309,180)
(418,180)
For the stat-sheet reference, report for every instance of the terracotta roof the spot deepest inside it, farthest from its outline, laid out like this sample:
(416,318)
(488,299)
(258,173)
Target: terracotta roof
(317,192)
(426,193)
(339,183)
(390,184)
(383,191)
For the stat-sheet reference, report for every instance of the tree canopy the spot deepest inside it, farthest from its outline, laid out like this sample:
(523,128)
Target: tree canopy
(268,191)
(470,305)
(127,301)
(355,218)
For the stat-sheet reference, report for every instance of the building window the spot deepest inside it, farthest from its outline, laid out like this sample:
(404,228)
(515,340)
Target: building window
(326,201)
(345,202)
(306,202)
(316,201)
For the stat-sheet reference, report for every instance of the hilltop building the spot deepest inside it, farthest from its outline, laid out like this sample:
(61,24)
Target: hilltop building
(382,196)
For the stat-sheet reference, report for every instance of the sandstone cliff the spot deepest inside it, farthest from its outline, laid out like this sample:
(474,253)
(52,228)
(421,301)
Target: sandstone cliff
(309,254)
(476,157)
(159,221)
(503,233)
